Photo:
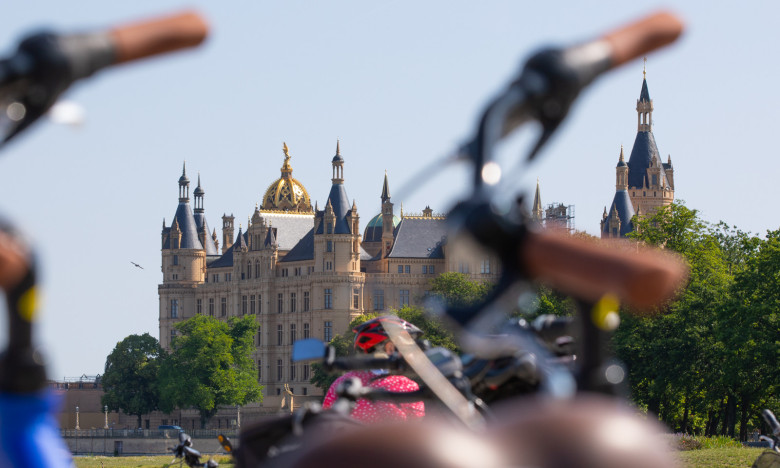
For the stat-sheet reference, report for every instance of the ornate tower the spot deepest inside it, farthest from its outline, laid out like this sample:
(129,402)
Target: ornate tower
(649,185)
(183,263)
(227,232)
(644,183)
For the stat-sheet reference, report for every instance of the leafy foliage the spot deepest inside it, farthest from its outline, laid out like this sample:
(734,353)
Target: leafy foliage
(710,357)
(458,289)
(210,365)
(130,375)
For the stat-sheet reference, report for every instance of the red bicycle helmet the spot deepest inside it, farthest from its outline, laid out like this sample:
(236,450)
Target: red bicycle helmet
(371,333)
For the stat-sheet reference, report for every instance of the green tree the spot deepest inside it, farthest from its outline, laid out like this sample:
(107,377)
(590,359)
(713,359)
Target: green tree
(458,289)
(672,358)
(749,329)
(130,376)
(210,365)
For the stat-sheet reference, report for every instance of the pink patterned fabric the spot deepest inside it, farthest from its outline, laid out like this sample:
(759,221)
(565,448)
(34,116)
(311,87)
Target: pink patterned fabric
(380,411)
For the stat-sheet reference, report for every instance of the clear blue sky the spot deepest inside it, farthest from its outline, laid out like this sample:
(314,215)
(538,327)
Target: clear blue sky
(400,83)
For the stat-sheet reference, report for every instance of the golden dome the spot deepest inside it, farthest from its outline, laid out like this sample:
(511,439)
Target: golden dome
(286,193)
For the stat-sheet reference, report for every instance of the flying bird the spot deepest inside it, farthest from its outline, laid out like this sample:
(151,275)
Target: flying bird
(139,266)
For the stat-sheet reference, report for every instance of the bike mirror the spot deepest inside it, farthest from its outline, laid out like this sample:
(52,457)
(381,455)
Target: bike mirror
(225,443)
(310,349)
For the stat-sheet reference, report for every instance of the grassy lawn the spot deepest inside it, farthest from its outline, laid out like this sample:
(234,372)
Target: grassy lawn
(138,462)
(720,457)
(704,458)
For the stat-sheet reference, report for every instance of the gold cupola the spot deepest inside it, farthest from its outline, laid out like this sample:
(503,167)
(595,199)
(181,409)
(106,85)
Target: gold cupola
(286,193)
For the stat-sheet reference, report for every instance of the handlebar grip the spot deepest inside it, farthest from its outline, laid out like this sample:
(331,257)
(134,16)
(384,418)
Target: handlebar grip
(643,36)
(770,419)
(14,262)
(642,279)
(147,38)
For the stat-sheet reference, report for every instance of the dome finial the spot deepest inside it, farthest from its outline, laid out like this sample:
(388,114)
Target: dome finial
(286,167)
(338,149)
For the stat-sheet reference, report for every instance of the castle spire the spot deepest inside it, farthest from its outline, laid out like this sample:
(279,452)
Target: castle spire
(199,192)
(184,184)
(537,213)
(644,106)
(385,190)
(338,166)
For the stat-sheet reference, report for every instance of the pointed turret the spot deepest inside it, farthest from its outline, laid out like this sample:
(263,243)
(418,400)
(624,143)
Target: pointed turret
(175,235)
(199,192)
(184,218)
(385,190)
(200,221)
(537,212)
(240,244)
(338,166)
(338,201)
(184,184)
(621,172)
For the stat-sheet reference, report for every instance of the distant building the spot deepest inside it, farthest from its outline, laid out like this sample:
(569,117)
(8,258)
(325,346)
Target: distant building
(644,184)
(302,271)
(555,216)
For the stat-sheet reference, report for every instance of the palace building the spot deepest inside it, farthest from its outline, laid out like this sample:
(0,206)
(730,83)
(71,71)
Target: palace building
(301,270)
(644,183)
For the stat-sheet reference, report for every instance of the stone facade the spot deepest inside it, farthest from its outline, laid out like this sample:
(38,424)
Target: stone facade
(303,272)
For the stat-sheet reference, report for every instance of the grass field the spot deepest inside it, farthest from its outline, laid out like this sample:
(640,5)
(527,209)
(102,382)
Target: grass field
(704,458)
(137,462)
(720,457)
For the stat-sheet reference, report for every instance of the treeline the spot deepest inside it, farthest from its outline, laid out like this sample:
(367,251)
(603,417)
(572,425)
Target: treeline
(210,365)
(708,363)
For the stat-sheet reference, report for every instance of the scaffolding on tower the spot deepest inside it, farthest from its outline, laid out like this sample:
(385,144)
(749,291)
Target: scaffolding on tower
(559,216)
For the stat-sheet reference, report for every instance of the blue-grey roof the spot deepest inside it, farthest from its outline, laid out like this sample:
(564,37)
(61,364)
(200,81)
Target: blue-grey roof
(419,238)
(365,256)
(289,228)
(200,221)
(641,156)
(226,260)
(625,212)
(341,207)
(644,95)
(303,250)
(187,226)
(241,240)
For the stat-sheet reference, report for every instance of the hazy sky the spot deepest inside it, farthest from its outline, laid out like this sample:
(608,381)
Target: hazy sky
(400,83)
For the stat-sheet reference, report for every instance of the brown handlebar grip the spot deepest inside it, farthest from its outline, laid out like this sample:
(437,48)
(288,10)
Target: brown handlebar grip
(14,262)
(158,36)
(640,277)
(643,36)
